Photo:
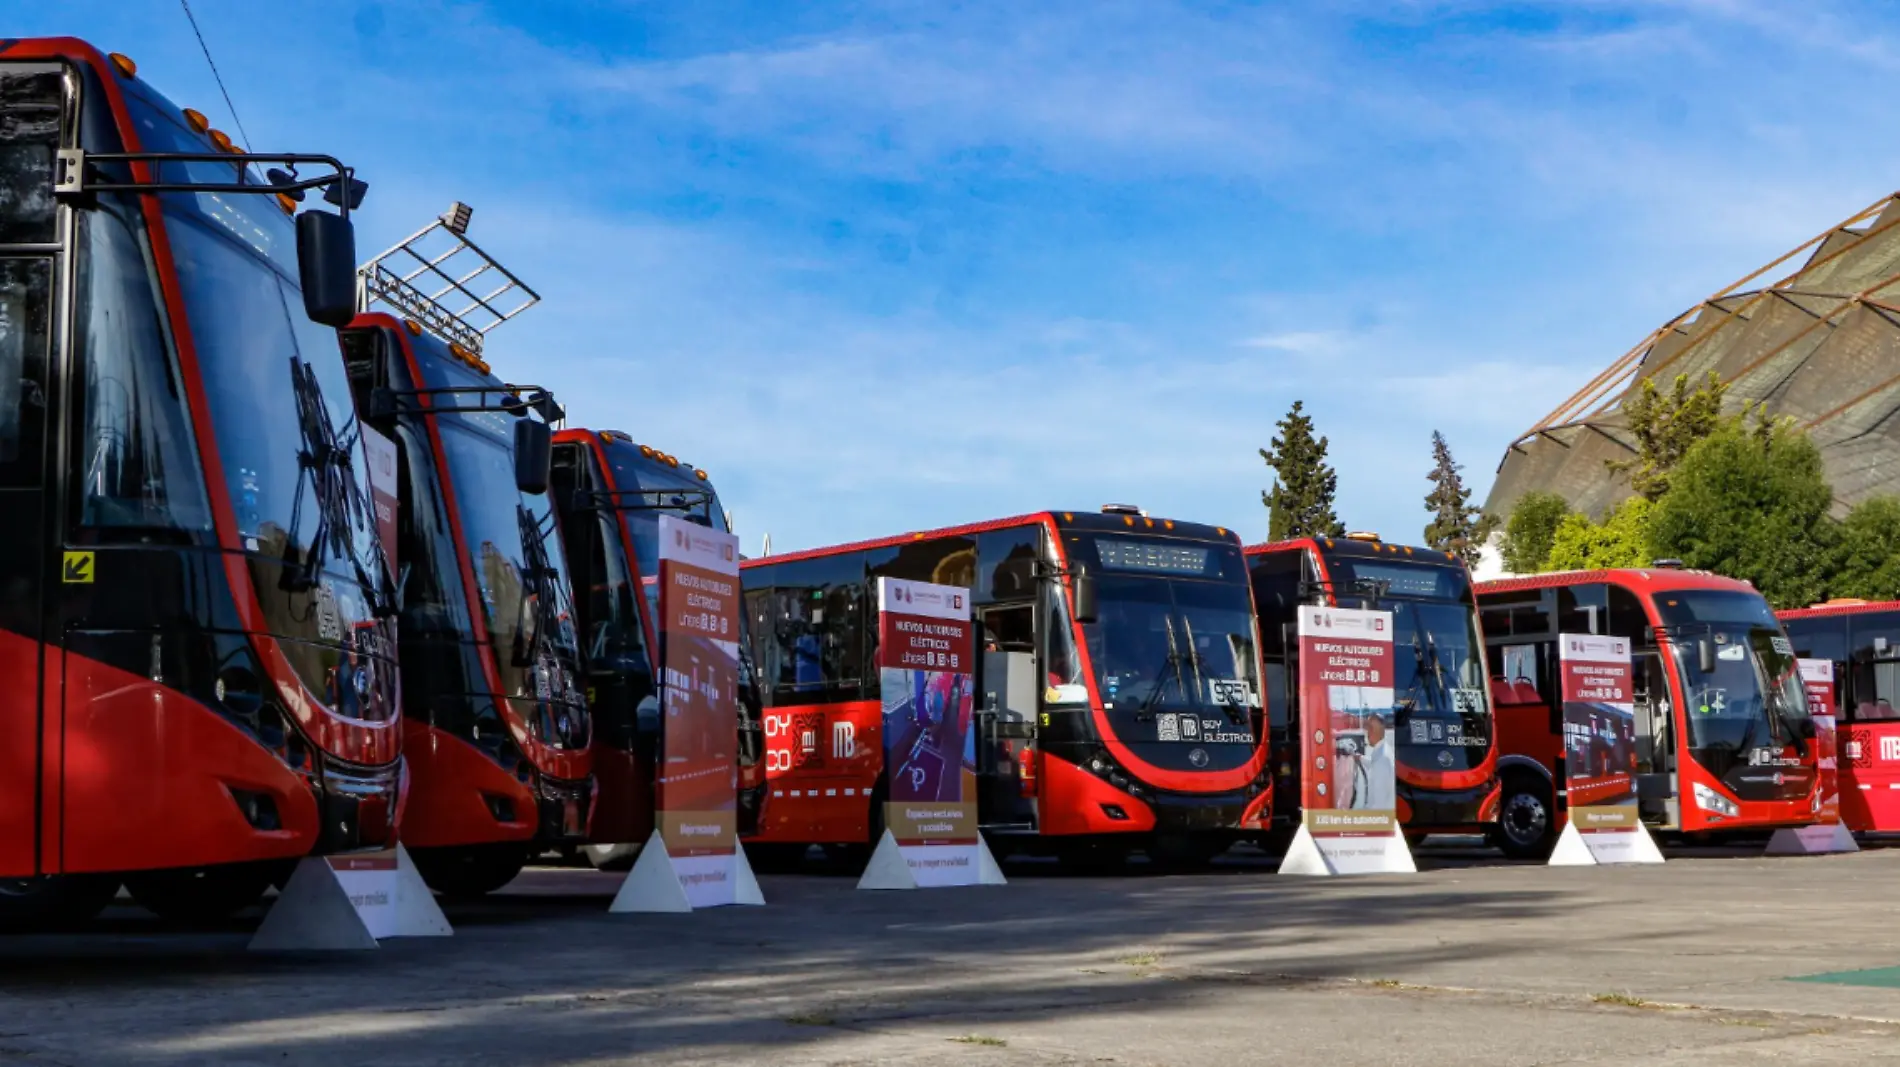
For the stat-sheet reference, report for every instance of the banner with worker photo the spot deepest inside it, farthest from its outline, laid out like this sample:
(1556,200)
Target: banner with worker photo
(926,660)
(1827,834)
(699,698)
(1597,685)
(1348,772)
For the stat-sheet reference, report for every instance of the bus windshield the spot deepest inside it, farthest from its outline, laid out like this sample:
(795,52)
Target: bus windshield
(520,573)
(1172,648)
(1444,715)
(1752,699)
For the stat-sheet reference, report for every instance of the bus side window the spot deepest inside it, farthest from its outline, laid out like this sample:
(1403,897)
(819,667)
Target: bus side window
(1583,609)
(1874,678)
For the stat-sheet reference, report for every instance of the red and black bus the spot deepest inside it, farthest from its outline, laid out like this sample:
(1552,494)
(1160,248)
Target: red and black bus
(196,624)
(1447,765)
(1723,737)
(610,493)
(1862,638)
(498,735)
(1117,688)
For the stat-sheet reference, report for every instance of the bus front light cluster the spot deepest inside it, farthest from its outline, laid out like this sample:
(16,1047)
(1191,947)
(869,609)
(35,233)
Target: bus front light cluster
(1711,801)
(1106,770)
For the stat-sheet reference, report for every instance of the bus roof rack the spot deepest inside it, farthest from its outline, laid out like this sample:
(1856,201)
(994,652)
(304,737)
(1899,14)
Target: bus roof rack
(1362,535)
(1668,564)
(440,254)
(1123,509)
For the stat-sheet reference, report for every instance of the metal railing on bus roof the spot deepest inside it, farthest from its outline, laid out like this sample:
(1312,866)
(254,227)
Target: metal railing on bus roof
(441,254)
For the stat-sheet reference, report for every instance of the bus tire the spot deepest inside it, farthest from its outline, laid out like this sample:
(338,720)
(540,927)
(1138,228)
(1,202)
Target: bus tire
(471,870)
(56,900)
(201,894)
(1527,818)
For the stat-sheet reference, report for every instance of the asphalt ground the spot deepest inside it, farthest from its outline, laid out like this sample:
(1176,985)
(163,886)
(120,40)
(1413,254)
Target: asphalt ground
(1472,961)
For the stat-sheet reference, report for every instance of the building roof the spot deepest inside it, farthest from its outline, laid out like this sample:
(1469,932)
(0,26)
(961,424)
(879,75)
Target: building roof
(1820,345)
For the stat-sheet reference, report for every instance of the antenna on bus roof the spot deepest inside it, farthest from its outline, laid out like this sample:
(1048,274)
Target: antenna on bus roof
(442,249)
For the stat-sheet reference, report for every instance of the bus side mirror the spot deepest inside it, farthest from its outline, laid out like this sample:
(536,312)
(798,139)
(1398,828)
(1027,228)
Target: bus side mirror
(1705,655)
(1085,606)
(534,455)
(326,267)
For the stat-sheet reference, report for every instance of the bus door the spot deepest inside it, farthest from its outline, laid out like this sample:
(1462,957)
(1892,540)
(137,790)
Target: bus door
(1006,717)
(1656,790)
(31,97)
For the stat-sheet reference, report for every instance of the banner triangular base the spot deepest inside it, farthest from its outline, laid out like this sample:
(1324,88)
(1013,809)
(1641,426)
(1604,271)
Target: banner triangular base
(1304,857)
(888,868)
(1371,854)
(1577,849)
(987,870)
(1812,841)
(653,885)
(745,887)
(312,914)
(417,913)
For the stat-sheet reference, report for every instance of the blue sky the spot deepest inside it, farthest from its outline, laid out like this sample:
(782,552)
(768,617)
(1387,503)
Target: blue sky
(882,266)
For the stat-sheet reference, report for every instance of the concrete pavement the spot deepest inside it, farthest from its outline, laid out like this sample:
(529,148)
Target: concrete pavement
(1473,963)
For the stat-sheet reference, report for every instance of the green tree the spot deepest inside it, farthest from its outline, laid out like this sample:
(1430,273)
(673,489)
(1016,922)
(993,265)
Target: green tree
(1751,502)
(1868,563)
(1667,426)
(1620,540)
(1455,527)
(1300,504)
(1528,532)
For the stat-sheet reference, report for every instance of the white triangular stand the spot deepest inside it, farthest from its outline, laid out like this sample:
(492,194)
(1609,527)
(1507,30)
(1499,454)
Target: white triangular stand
(1812,841)
(745,887)
(888,868)
(653,885)
(890,865)
(417,913)
(322,908)
(1578,849)
(1326,856)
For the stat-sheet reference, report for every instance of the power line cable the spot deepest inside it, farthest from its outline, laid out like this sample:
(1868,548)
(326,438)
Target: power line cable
(186,4)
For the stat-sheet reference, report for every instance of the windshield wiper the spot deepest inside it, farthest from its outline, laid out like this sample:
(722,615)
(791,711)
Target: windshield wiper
(1173,660)
(325,461)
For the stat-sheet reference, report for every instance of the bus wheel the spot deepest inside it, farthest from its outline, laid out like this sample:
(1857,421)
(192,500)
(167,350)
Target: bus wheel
(470,871)
(54,900)
(201,894)
(1527,819)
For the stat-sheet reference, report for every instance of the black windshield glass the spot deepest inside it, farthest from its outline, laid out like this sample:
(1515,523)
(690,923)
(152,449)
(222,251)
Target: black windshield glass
(1750,704)
(1443,702)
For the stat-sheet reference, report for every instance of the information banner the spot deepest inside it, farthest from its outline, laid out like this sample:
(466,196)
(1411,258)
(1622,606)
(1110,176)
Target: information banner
(926,675)
(1597,683)
(1817,677)
(1349,774)
(383,491)
(699,655)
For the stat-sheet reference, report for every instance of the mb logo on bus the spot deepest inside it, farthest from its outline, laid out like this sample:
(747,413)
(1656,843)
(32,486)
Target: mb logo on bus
(844,740)
(1890,749)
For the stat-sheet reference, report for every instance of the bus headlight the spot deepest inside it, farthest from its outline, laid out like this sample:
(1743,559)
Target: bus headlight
(1709,800)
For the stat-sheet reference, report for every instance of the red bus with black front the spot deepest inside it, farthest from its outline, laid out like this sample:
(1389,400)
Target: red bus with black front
(1862,639)
(1723,737)
(610,493)
(498,732)
(195,626)
(1444,733)
(1100,636)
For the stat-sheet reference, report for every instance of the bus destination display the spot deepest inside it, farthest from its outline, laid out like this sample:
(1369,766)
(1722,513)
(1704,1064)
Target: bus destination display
(1149,556)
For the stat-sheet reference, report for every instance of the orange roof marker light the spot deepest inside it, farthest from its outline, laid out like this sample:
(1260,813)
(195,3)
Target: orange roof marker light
(123,62)
(196,119)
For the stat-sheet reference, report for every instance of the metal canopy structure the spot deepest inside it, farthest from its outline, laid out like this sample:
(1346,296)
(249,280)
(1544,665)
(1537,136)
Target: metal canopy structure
(1820,345)
(438,264)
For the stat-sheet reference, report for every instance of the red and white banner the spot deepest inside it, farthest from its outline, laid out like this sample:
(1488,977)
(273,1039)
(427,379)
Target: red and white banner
(383,490)
(699,700)
(1817,677)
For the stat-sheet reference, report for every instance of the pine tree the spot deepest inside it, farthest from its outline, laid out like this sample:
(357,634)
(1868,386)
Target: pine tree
(1300,504)
(1456,527)
(1666,427)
